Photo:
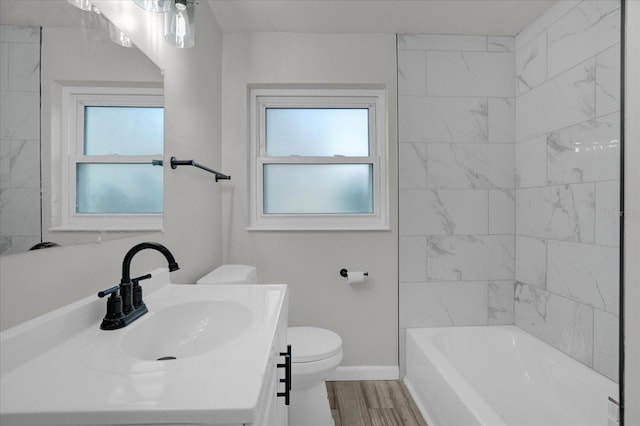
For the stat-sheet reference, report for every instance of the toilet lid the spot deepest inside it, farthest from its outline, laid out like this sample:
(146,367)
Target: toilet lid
(312,344)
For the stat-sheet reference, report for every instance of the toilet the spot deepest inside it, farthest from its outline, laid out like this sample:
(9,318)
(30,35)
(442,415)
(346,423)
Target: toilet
(315,354)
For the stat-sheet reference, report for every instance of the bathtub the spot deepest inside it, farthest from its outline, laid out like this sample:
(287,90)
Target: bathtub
(501,376)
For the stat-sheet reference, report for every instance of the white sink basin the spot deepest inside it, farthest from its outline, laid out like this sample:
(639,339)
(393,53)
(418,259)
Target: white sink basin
(187,329)
(62,369)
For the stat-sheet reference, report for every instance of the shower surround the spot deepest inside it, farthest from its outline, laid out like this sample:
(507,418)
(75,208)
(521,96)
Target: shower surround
(509,180)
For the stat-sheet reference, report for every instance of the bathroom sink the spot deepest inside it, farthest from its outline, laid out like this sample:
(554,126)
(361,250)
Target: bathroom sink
(187,329)
(199,356)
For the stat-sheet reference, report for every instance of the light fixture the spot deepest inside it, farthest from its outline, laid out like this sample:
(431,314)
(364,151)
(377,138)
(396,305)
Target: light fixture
(179,28)
(117,36)
(160,6)
(82,4)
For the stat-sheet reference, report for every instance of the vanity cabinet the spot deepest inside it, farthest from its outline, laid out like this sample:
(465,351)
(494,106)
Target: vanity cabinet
(273,410)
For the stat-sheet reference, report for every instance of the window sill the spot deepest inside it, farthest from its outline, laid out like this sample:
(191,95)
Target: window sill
(114,229)
(317,228)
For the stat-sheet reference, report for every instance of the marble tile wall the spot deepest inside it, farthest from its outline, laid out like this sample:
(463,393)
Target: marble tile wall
(567,180)
(19,137)
(509,178)
(457,180)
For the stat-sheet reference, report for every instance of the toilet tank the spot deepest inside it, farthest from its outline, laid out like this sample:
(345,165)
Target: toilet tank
(231,274)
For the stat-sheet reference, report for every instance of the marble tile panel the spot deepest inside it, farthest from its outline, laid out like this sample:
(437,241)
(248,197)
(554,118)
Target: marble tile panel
(20,115)
(562,212)
(19,34)
(531,162)
(551,15)
(501,44)
(586,152)
(25,164)
(560,322)
(502,120)
(413,259)
(413,209)
(458,212)
(586,273)
(456,258)
(531,64)
(606,328)
(439,304)
(531,261)
(500,302)
(582,33)
(608,81)
(502,211)
(5,163)
(4,66)
(470,74)
(442,42)
(20,211)
(442,119)
(466,166)
(412,170)
(443,212)
(5,245)
(562,101)
(412,73)
(24,67)
(608,213)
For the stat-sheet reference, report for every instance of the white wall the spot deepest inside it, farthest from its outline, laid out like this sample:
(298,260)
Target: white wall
(36,282)
(632,215)
(364,315)
(456,155)
(568,180)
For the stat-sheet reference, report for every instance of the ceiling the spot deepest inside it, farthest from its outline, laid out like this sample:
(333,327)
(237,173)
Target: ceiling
(491,17)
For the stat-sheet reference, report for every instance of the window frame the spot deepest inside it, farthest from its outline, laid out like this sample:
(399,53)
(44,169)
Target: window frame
(74,100)
(372,99)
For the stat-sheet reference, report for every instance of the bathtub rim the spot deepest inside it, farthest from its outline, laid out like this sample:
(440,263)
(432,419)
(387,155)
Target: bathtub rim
(475,404)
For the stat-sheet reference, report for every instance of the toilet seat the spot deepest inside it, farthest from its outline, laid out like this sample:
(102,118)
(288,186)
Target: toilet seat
(311,344)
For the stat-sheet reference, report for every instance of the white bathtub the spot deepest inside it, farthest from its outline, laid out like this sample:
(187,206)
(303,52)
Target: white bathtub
(501,376)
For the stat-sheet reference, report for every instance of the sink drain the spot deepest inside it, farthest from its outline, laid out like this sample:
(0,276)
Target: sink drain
(166,358)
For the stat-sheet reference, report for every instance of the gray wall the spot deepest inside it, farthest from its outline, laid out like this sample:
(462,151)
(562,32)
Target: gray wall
(364,315)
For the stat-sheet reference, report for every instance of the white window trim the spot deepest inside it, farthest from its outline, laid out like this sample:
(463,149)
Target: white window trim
(74,99)
(375,101)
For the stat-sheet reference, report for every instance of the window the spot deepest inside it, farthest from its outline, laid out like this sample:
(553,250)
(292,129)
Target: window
(110,137)
(319,159)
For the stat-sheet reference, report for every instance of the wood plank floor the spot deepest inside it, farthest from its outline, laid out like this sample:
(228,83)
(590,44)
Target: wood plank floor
(373,403)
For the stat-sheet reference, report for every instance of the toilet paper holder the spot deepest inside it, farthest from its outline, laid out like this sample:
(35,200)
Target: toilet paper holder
(345,273)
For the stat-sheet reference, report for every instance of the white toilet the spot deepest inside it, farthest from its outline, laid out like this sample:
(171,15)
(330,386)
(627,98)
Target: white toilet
(316,353)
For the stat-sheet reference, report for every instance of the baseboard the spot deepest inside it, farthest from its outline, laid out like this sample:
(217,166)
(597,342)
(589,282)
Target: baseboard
(366,372)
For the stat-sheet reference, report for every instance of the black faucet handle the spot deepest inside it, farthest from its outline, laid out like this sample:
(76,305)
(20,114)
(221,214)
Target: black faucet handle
(108,291)
(137,280)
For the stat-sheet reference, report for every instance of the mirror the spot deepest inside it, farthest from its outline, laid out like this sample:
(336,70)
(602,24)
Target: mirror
(47,44)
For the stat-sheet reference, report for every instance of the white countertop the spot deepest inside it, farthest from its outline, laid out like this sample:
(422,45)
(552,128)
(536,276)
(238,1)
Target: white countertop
(87,379)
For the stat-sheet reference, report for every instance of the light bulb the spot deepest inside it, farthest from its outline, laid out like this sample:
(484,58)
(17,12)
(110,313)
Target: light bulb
(154,5)
(118,37)
(179,25)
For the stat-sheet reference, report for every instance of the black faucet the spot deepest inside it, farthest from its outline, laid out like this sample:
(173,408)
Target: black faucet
(125,305)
